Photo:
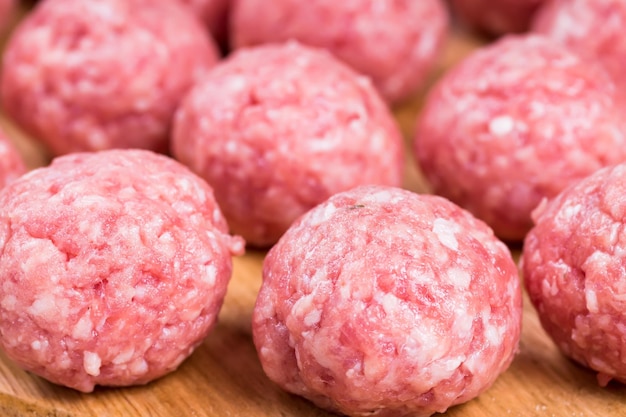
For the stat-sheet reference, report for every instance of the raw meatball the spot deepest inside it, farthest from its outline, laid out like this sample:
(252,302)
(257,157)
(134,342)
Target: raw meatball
(384,302)
(11,161)
(278,129)
(113,267)
(92,75)
(514,123)
(594,28)
(394,42)
(573,263)
(497,17)
(213,13)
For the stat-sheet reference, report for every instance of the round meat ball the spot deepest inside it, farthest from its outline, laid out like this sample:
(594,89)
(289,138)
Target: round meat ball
(277,129)
(394,42)
(91,75)
(12,164)
(516,122)
(573,262)
(596,29)
(214,13)
(113,267)
(384,302)
(497,17)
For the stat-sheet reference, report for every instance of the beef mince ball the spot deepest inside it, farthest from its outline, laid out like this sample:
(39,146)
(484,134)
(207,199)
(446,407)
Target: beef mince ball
(513,123)
(277,129)
(394,42)
(11,162)
(573,264)
(113,267)
(91,75)
(497,17)
(384,302)
(596,29)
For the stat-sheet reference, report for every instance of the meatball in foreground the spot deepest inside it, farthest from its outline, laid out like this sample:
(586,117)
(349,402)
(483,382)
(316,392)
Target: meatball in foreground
(93,75)
(497,17)
(513,123)
(381,301)
(596,29)
(394,42)
(278,129)
(573,264)
(113,267)
(12,164)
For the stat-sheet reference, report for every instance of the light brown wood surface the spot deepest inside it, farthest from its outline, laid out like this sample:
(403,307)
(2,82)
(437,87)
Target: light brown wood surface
(223,377)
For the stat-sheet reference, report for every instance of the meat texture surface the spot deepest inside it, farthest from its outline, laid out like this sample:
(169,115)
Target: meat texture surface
(497,17)
(515,122)
(113,267)
(596,29)
(573,263)
(384,302)
(92,75)
(277,129)
(394,42)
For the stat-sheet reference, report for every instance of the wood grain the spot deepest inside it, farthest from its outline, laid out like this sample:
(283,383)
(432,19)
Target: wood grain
(224,378)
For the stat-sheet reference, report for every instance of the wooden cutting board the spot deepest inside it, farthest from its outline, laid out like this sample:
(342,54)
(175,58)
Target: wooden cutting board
(224,377)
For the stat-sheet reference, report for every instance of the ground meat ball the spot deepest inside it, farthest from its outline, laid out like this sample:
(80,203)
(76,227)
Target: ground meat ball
(11,161)
(279,128)
(573,264)
(113,267)
(594,28)
(394,42)
(516,122)
(92,75)
(382,301)
(497,17)
(214,13)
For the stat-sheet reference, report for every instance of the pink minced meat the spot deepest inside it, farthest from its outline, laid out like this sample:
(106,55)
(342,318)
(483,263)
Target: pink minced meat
(394,42)
(277,129)
(91,75)
(113,267)
(594,28)
(12,164)
(384,302)
(497,17)
(573,264)
(515,122)
(214,13)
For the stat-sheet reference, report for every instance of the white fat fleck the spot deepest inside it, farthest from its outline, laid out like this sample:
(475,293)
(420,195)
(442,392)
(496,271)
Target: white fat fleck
(83,328)
(319,216)
(493,335)
(124,356)
(459,278)
(570,211)
(9,302)
(43,306)
(139,366)
(444,230)
(92,363)
(36,345)
(210,274)
(501,125)
(312,318)
(591,299)
(391,304)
